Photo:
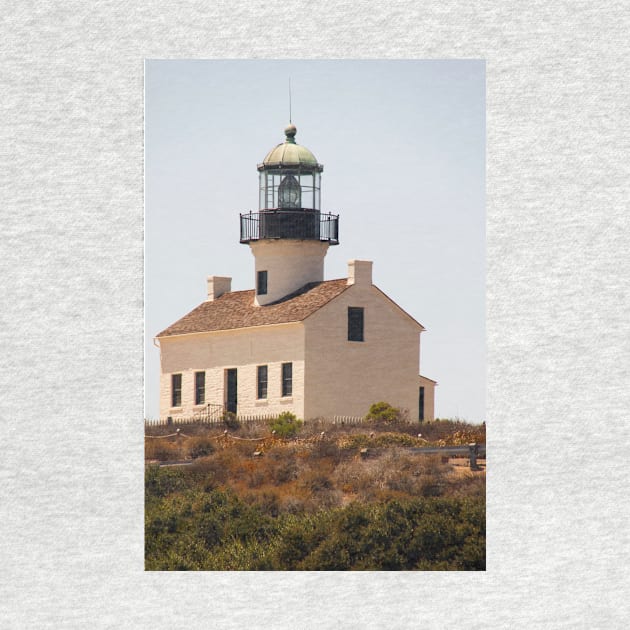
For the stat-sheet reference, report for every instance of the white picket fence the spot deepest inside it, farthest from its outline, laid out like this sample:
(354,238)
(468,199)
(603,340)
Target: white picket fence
(257,418)
(175,420)
(179,420)
(347,420)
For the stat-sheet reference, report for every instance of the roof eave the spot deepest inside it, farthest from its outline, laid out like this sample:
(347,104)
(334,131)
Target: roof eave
(400,309)
(221,330)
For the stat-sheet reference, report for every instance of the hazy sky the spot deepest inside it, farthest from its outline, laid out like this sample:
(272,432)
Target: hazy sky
(403,149)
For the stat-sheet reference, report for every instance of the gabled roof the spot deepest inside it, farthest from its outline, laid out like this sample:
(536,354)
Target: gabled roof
(426,378)
(237,309)
(400,309)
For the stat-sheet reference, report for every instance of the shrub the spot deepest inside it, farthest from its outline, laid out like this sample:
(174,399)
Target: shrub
(200,447)
(161,450)
(231,421)
(314,504)
(352,442)
(316,481)
(386,439)
(383,412)
(286,425)
(450,432)
(284,471)
(215,469)
(160,482)
(326,449)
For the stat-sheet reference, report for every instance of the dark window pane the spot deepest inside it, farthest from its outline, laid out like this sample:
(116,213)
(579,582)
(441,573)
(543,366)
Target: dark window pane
(261,288)
(176,390)
(231,397)
(262,381)
(421,404)
(355,323)
(287,379)
(200,388)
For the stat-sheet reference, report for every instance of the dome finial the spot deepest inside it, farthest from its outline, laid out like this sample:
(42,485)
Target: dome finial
(290,131)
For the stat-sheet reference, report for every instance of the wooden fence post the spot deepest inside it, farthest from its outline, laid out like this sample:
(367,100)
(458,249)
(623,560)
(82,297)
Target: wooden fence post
(473,451)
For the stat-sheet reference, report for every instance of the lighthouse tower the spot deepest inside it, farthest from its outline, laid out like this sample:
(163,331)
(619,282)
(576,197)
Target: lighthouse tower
(289,235)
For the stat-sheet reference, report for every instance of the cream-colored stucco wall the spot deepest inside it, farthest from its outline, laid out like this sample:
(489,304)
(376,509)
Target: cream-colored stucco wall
(429,397)
(345,377)
(243,349)
(290,264)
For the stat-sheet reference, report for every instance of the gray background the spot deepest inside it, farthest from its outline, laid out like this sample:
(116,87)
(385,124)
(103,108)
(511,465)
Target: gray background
(557,314)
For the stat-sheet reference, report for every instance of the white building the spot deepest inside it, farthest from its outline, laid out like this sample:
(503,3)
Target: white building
(299,343)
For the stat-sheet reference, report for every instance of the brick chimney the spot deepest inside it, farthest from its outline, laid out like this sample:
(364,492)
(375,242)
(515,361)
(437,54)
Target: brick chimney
(360,272)
(217,286)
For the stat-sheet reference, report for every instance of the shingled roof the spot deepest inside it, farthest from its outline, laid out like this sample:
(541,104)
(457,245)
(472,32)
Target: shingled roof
(237,310)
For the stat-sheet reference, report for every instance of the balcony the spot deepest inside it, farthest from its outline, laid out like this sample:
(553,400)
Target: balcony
(300,224)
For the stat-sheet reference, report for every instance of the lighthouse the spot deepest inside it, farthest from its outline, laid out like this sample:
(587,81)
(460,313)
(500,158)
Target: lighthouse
(295,342)
(289,235)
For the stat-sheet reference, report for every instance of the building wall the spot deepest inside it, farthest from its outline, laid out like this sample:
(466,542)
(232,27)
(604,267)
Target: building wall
(345,377)
(243,349)
(290,264)
(429,397)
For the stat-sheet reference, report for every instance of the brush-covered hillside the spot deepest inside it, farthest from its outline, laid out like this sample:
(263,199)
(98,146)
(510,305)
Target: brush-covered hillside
(313,497)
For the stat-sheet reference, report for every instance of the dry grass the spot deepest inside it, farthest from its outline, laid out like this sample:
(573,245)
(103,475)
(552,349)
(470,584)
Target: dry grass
(450,432)
(162,450)
(178,448)
(314,472)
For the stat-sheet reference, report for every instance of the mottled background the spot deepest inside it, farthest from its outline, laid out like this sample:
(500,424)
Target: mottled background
(72,314)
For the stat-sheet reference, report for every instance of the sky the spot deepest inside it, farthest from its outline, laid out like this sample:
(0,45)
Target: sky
(403,149)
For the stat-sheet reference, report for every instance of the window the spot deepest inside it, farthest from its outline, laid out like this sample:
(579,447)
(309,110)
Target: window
(421,404)
(200,388)
(261,286)
(287,379)
(176,390)
(355,323)
(231,390)
(262,381)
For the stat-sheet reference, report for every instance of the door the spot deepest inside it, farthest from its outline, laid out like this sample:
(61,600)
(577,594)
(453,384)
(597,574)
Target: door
(231,389)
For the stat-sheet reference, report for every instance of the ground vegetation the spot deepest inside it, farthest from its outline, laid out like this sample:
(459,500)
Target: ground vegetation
(326,497)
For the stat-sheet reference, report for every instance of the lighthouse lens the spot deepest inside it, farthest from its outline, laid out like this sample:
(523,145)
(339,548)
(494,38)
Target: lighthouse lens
(289,192)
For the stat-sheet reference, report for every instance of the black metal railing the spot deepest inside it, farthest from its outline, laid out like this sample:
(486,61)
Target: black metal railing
(300,224)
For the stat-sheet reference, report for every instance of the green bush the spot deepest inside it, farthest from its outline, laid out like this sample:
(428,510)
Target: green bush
(162,481)
(383,412)
(313,505)
(360,440)
(395,439)
(195,530)
(286,425)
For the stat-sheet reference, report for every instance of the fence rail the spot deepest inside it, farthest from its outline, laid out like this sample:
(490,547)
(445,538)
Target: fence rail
(218,419)
(300,224)
(175,420)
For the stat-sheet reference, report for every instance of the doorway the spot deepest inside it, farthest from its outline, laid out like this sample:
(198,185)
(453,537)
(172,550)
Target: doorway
(231,388)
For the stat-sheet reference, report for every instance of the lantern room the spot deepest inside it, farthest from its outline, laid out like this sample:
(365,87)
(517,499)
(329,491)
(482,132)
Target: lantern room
(290,197)
(290,176)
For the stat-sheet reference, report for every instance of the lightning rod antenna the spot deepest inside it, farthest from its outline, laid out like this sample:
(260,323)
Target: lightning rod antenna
(290,121)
